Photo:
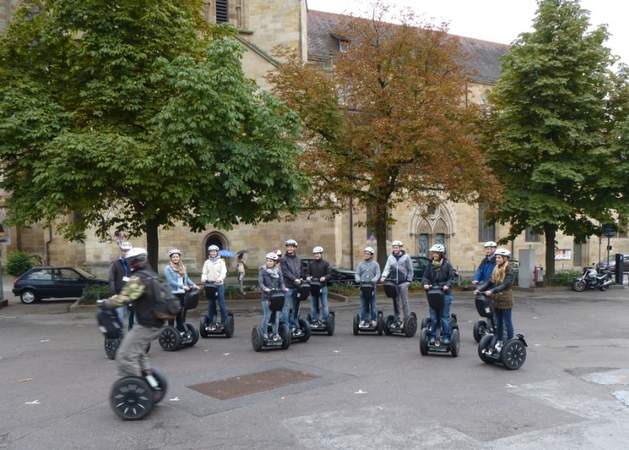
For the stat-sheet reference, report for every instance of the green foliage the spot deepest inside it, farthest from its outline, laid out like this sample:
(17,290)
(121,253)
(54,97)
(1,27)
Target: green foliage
(549,130)
(19,262)
(93,293)
(137,116)
(343,289)
(564,278)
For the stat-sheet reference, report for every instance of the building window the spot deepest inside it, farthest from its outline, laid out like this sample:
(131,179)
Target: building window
(486,231)
(222,11)
(423,244)
(531,236)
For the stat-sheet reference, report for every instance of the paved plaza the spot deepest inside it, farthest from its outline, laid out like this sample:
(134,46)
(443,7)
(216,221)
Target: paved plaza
(340,392)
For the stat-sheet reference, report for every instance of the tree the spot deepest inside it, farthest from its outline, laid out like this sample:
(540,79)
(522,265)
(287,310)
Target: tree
(548,140)
(134,115)
(389,123)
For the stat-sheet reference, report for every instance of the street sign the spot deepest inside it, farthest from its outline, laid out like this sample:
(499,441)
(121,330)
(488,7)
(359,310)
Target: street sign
(609,230)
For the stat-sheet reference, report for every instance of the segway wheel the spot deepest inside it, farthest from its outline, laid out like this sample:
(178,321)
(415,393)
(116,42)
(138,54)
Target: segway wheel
(131,398)
(423,341)
(380,323)
(169,339)
(329,326)
(158,395)
(229,325)
(285,335)
(305,327)
(111,347)
(388,324)
(513,354)
(356,322)
(410,327)
(194,334)
(202,328)
(256,339)
(480,329)
(455,343)
(484,344)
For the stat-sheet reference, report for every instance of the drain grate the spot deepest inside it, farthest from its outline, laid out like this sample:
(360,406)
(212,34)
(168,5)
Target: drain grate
(252,383)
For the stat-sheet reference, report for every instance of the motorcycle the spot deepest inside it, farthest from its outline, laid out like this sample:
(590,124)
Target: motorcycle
(597,277)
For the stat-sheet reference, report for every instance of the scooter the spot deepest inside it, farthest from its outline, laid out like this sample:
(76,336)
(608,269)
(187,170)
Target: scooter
(436,300)
(262,338)
(172,339)
(207,329)
(511,355)
(485,309)
(133,398)
(320,326)
(407,327)
(301,332)
(367,291)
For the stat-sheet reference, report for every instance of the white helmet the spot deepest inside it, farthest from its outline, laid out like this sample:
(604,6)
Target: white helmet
(125,246)
(369,250)
(503,252)
(397,244)
(174,251)
(292,242)
(438,248)
(136,253)
(317,249)
(272,256)
(490,244)
(213,247)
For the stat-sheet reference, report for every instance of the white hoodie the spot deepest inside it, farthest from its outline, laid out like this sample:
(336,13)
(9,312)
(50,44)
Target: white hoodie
(214,271)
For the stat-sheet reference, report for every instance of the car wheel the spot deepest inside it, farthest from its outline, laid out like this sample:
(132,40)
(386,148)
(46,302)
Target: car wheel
(28,297)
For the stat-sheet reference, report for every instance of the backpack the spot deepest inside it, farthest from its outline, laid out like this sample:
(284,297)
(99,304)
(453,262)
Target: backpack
(165,305)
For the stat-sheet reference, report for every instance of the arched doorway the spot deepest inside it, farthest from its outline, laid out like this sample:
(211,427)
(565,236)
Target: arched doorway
(431,227)
(215,238)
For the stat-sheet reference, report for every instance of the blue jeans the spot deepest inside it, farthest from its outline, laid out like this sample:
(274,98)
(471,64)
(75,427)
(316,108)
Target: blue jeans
(211,312)
(368,306)
(503,319)
(290,298)
(444,319)
(323,296)
(266,316)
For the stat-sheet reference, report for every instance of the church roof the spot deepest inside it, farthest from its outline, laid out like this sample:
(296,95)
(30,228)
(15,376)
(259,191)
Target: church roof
(483,60)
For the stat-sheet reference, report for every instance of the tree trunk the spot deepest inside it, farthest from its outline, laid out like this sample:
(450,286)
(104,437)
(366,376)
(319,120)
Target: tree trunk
(550,233)
(152,243)
(380,224)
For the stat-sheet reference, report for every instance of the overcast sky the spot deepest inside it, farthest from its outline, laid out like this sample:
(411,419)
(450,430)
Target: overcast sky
(497,20)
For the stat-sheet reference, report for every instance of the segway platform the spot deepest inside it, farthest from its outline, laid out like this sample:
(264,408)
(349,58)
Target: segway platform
(407,327)
(207,329)
(321,326)
(436,300)
(512,355)
(258,341)
(133,398)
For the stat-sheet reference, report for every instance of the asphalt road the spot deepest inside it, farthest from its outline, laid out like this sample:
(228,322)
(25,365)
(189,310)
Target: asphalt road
(364,392)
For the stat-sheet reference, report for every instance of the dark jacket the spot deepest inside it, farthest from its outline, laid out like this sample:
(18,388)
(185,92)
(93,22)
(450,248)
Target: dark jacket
(143,306)
(442,276)
(486,267)
(501,293)
(118,270)
(290,265)
(319,268)
(266,279)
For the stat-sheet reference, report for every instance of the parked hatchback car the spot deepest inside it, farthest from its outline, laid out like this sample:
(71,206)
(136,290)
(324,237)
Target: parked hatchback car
(53,282)
(340,276)
(419,266)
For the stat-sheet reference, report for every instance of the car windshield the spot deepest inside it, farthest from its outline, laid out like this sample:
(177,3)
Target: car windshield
(84,273)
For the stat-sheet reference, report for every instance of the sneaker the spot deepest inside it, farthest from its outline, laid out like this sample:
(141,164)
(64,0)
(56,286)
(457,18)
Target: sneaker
(213,327)
(498,346)
(265,336)
(374,324)
(445,340)
(399,325)
(276,337)
(431,341)
(362,324)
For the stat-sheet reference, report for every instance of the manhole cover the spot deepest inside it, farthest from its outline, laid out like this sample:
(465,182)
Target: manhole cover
(251,383)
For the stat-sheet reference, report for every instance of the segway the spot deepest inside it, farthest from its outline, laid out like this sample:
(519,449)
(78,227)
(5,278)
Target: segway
(407,327)
(512,355)
(320,326)
(262,338)
(207,329)
(172,339)
(111,327)
(133,398)
(485,309)
(301,332)
(436,299)
(367,290)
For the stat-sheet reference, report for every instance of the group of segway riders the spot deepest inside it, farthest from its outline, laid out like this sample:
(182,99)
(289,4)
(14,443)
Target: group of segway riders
(284,283)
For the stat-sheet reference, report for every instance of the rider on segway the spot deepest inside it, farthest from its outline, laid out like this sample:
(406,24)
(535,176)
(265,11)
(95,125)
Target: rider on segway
(440,273)
(318,271)
(368,273)
(214,272)
(270,278)
(290,266)
(399,269)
